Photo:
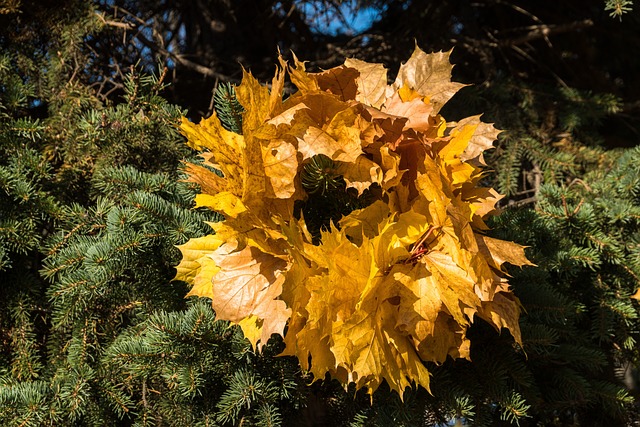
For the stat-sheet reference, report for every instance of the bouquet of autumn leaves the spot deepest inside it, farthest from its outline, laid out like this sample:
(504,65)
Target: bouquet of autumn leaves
(385,287)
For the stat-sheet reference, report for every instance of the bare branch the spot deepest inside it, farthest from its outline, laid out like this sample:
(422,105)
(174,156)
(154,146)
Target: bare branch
(117,24)
(543,31)
(156,48)
(206,71)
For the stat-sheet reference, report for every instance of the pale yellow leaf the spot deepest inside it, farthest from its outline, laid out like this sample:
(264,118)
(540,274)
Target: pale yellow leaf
(224,202)
(371,82)
(249,283)
(202,286)
(192,251)
(429,75)
(417,112)
(281,166)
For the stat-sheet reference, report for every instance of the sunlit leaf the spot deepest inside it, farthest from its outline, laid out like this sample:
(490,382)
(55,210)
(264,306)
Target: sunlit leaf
(430,76)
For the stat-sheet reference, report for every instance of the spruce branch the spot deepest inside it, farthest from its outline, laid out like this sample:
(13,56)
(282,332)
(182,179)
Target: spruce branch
(228,108)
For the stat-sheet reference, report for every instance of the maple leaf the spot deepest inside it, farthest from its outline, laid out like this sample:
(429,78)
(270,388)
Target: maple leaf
(399,278)
(194,253)
(371,82)
(340,81)
(226,150)
(246,287)
(416,111)
(481,140)
(361,173)
(430,76)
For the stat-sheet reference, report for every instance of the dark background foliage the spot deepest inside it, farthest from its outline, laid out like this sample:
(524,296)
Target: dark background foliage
(571,43)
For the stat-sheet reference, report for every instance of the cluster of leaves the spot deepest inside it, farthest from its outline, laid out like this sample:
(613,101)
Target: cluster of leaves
(386,287)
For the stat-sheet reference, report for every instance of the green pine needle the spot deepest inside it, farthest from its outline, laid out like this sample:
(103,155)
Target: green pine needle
(228,108)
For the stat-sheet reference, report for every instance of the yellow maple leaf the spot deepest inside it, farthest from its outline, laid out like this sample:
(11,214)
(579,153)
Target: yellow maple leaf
(399,276)
(192,252)
(371,82)
(430,76)
(481,140)
(417,112)
(246,288)
(361,173)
